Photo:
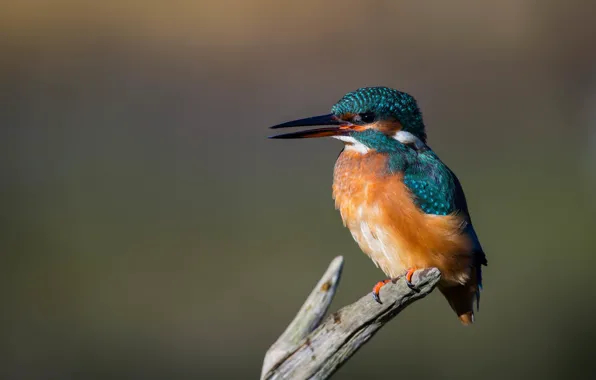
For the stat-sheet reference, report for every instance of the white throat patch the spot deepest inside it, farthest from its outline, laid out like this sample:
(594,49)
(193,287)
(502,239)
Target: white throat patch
(353,144)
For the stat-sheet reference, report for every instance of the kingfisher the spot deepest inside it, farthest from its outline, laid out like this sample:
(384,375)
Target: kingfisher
(404,207)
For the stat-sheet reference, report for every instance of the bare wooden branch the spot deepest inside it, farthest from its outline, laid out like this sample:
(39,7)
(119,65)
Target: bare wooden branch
(307,319)
(309,349)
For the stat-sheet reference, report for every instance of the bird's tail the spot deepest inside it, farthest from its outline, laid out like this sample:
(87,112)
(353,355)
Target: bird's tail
(461,299)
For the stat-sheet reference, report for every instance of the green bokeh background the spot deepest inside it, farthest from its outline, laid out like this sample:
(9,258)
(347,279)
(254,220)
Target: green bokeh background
(150,230)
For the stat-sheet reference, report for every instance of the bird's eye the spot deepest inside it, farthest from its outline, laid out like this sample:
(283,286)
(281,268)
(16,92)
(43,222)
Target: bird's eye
(365,117)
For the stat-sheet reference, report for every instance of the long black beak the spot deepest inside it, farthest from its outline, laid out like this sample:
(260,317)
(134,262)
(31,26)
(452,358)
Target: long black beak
(329,119)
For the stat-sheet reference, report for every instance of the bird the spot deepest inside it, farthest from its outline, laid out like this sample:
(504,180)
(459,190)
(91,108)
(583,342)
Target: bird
(404,207)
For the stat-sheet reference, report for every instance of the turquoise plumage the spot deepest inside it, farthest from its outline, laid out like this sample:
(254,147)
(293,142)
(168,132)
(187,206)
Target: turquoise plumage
(403,205)
(384,101)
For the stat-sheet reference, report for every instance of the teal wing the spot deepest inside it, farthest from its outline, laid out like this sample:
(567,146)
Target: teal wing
(437,190)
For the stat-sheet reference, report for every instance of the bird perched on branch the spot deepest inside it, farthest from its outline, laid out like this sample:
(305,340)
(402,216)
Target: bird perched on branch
(404,207)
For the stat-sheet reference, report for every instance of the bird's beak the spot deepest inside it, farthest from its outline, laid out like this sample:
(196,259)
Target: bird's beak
(336,127)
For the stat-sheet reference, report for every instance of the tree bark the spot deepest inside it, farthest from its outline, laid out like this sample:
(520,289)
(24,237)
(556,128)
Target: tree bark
(311,349)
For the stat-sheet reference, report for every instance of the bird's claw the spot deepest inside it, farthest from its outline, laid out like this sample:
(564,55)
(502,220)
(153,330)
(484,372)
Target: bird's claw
(380,284)
(408,276)
(377,289)
(376,298)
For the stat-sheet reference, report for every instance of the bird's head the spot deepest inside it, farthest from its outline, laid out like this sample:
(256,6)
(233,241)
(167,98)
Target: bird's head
(366,119)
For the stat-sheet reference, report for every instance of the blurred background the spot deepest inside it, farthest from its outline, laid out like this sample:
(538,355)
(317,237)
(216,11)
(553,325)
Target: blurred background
(150,230)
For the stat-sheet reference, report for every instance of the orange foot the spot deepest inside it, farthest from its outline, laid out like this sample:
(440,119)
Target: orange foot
(409,274)
(377,289)
(380,284)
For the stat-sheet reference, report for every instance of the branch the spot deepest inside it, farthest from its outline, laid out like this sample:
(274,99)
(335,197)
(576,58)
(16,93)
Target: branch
(311,349)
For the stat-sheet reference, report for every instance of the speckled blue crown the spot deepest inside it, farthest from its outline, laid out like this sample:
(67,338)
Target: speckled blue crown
(384,101)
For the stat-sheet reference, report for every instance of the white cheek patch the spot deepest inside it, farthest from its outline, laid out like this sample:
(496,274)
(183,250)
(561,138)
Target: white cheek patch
(353,144)
(408,138)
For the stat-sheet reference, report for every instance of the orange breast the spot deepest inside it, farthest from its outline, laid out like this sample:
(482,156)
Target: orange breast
(387,225)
